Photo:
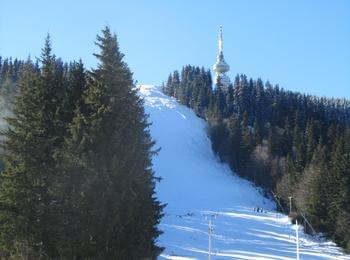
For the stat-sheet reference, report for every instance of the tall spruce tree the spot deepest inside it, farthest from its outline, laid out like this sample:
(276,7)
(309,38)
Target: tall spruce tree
(110,201)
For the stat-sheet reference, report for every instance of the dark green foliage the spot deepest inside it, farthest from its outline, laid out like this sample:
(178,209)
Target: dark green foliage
(35,132)
(192,88)
(293,144)
(108,149)
(77,181)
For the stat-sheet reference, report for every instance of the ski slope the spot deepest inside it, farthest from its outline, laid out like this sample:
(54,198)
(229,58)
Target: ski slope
(195,185)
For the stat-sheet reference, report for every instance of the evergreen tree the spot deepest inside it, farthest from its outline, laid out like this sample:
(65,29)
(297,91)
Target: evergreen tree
(107,161)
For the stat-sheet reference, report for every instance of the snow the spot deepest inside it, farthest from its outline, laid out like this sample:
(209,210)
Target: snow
(196,184)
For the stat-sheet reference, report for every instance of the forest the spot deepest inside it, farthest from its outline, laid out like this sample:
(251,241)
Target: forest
(76,171)
(290,144)
(76,177)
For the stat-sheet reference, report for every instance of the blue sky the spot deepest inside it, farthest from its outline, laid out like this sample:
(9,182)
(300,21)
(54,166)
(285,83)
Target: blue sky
(301,45)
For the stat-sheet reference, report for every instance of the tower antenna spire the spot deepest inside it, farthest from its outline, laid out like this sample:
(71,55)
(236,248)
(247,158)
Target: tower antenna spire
(221,47)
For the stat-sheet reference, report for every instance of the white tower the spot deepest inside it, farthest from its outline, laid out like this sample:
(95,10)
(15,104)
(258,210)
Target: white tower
(221,67)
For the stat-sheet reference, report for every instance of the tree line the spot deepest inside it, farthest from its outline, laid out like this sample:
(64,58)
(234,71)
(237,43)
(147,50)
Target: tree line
(289,143)
(77,179)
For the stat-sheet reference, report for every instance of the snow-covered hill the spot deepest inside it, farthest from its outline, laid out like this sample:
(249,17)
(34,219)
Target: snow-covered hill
(195,184)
